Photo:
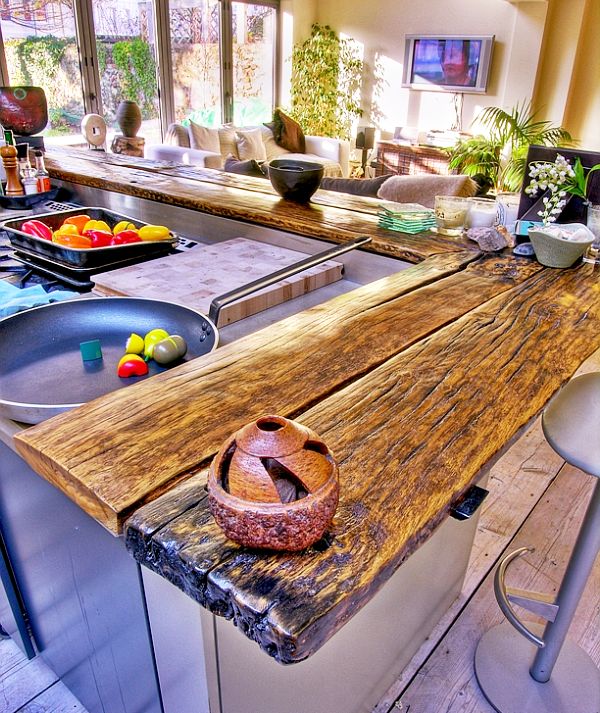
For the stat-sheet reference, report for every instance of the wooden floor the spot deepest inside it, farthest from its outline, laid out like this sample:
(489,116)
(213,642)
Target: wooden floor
(535,499)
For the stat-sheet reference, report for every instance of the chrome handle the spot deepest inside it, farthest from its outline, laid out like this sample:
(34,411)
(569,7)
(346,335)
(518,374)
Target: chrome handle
(502,597)
(223,300)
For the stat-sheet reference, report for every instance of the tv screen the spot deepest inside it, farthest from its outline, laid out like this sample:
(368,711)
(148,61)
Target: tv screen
(447,63)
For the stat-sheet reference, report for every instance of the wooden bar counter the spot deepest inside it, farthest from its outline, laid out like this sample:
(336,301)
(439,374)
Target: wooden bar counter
(416,382)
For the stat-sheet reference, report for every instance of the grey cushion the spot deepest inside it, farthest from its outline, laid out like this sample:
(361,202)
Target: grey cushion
(423,188)
(244,168)
(356,186)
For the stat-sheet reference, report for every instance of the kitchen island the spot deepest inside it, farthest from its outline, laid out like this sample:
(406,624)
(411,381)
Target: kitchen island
(416,382)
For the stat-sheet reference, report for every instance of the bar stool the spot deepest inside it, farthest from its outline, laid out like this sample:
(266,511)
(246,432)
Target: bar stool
(560,677)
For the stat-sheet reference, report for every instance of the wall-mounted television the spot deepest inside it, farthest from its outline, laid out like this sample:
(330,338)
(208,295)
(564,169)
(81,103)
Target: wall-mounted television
(451,63)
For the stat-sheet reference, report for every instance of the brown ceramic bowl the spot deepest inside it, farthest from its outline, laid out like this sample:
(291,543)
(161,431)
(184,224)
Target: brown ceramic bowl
(295,180)
(273,485)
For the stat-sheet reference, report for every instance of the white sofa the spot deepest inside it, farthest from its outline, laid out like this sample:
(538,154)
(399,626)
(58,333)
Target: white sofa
(332,153)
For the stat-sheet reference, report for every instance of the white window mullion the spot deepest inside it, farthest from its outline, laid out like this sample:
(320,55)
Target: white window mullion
(226,50)
(88,57)
(164,63)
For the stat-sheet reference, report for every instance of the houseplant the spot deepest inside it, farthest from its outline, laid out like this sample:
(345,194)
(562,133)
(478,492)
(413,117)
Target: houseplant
(559,246)
(326,78)
(499,158)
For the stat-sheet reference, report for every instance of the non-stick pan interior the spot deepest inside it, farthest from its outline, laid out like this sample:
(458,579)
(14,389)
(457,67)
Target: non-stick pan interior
(41,369)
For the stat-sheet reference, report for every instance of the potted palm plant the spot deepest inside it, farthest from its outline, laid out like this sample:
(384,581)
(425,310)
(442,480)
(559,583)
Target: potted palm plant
(499,158)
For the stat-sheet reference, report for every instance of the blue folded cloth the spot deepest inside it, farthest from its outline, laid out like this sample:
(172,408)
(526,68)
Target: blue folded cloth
(15,299)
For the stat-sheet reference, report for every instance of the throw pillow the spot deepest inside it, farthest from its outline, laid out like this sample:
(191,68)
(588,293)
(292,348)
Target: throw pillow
(272,149)
(288,133)
(424,188)
(243,168)
(250,144)
(227,139)
(203,138)
(177,135)
(356,186)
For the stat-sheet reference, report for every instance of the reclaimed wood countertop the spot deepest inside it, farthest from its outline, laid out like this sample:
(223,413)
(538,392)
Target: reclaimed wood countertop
(415,382)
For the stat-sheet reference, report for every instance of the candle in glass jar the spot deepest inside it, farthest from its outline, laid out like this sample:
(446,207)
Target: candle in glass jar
(481,213)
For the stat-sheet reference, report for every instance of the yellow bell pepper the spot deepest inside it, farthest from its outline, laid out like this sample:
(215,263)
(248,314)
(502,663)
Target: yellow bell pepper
(123,225)
(153,232)
(97,225)
(67,229)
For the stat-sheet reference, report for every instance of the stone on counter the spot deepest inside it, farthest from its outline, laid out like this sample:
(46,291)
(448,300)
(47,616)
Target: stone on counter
(491,239)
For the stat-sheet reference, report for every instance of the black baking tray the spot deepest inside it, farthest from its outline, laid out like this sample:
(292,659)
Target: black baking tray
(27,202)
(80,257)
(78,272)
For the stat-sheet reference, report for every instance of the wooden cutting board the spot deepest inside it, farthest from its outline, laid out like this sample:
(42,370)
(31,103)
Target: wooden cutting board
(195,277)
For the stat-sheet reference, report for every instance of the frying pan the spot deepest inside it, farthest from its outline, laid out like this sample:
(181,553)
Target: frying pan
(41,369)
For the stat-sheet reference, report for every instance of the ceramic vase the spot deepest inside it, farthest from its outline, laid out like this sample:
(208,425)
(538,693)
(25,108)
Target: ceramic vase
(129,118)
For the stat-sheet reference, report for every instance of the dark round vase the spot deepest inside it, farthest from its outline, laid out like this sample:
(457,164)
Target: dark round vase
(129,118)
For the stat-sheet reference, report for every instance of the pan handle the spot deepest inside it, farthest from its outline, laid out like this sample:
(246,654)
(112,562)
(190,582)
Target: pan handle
(223,300)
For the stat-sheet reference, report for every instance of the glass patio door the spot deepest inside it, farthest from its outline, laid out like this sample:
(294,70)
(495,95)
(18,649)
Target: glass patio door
(195,57)
(40,48)
(126,56)
(254,32)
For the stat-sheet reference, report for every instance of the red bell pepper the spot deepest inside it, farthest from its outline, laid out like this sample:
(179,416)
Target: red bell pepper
(126,236)
(37,229)
(99,238)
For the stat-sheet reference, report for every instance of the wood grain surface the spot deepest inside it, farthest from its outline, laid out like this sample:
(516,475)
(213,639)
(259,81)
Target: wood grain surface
(241,198)
(410,437)
(177,420)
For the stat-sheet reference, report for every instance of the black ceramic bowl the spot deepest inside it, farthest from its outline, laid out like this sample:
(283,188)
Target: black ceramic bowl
(295,180)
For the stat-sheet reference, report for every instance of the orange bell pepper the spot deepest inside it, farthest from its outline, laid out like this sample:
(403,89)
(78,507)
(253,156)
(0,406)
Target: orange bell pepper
(69,240)
(78,221)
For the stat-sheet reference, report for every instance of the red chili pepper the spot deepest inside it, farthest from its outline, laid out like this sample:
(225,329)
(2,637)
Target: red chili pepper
(126,236)
(99,238)
(37,229)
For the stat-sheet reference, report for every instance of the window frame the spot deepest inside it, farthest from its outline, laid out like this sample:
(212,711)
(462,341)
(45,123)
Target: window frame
(88,57)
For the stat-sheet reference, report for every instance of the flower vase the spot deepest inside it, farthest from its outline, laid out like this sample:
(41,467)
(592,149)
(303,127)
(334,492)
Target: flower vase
(129,118)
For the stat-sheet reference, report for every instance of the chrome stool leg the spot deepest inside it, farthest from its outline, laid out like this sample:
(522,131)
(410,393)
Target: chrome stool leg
(560,677)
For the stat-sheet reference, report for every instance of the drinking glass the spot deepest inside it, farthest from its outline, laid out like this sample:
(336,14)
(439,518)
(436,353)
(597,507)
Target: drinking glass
(593,223)
(507,210)
(450,214)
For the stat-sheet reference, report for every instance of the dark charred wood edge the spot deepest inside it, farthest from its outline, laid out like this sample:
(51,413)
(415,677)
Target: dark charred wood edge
(212,589)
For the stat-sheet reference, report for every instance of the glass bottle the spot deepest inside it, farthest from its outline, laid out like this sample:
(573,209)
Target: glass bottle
(43,177)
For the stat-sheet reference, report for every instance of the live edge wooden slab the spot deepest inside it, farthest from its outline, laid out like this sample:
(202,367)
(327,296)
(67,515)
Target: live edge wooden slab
(329,216)
(415,382)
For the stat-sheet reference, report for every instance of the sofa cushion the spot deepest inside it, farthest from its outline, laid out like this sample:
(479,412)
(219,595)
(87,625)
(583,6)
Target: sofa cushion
(243,168)
(271,147)
(227,140)
(288,133)
(250,144)
(177,135)
(356,186)
(203,138)
(423,188)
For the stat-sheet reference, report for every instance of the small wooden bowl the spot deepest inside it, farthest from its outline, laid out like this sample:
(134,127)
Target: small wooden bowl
(273,485)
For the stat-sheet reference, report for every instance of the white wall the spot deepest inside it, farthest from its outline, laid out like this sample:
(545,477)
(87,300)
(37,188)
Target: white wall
(380,26)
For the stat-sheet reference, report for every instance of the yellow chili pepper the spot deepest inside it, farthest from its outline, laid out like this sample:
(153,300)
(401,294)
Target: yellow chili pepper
(153,232)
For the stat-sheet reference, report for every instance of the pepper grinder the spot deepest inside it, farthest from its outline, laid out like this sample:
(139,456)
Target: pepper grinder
(9,161)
